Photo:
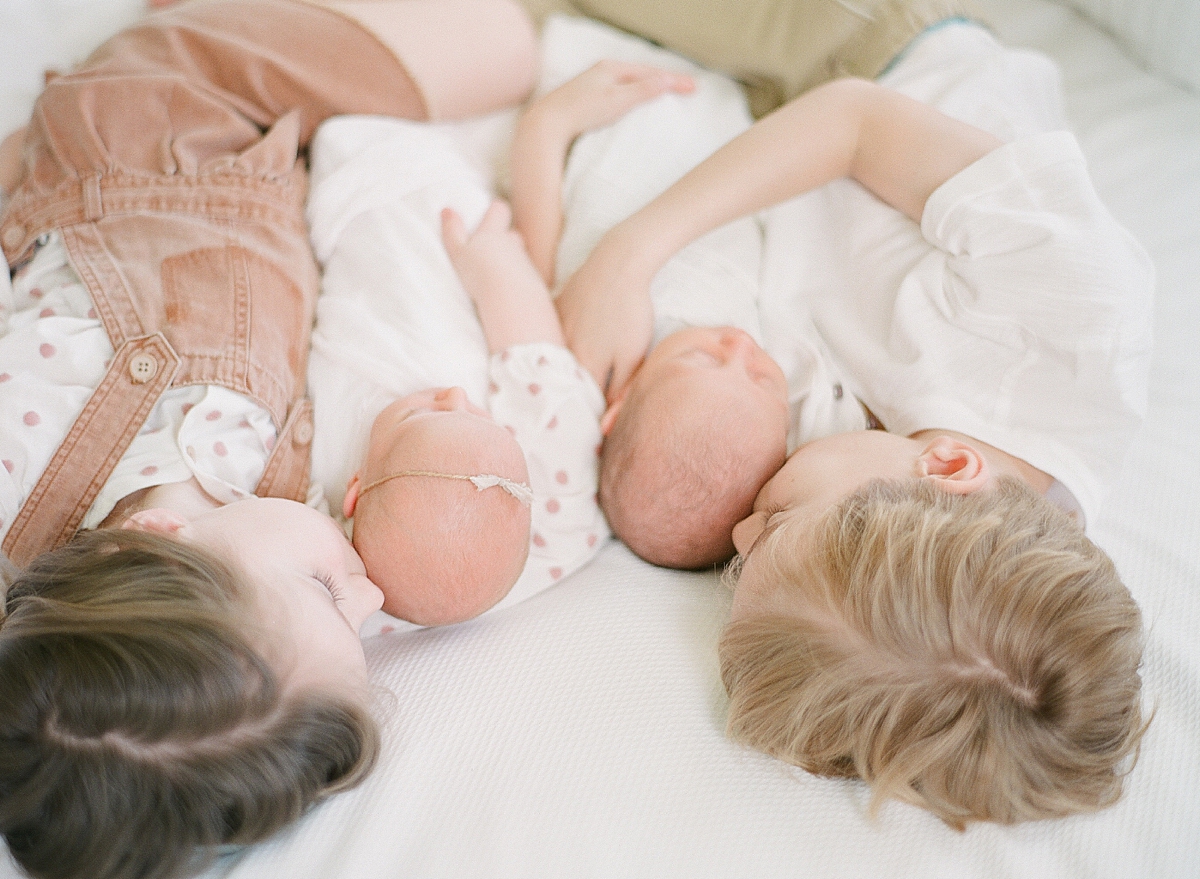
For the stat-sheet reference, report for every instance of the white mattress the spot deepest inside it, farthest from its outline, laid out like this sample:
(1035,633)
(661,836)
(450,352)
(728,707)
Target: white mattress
(580,734)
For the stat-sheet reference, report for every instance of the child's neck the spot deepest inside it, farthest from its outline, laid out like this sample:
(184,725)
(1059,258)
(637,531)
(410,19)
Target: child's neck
(186,498)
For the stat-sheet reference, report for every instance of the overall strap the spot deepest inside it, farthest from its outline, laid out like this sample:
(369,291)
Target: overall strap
(140,371)
(287,471)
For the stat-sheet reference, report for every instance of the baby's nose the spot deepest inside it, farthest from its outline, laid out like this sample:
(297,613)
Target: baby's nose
(738,343)
(452,398)
(746,532)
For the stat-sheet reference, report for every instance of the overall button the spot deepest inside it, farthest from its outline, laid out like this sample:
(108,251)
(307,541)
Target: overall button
(303,433)
(142,368)
(14,235)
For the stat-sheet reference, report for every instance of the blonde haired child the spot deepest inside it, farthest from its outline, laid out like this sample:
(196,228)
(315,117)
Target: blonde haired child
(949,634)
(975,654)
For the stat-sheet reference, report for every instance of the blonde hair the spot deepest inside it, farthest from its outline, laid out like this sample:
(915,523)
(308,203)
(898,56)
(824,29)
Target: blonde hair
(673,487)
(139,729)
(975,655)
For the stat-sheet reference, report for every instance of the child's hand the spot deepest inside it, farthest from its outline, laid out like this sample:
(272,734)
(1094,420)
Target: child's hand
(512,300)
(604,93)
(607,315)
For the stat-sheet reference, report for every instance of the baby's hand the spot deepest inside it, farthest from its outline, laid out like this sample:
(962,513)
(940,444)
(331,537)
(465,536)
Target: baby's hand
(491,258)
(604,93)
(512,300)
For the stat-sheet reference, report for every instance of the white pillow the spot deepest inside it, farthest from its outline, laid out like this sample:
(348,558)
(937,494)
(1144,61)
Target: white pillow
(36,35)
(1163,34)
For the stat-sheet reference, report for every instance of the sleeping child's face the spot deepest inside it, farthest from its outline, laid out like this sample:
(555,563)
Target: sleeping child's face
(700,428)
(442,548)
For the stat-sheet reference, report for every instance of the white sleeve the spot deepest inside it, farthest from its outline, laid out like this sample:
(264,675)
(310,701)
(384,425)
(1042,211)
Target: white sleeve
(1050,300)
(553,407)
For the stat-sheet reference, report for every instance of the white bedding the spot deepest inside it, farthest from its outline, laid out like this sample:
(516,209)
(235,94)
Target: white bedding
(579,734)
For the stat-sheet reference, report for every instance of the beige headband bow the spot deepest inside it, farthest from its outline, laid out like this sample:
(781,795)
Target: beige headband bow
(520,490)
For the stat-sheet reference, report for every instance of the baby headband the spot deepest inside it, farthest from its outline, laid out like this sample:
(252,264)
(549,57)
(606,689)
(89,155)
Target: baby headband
(520,490)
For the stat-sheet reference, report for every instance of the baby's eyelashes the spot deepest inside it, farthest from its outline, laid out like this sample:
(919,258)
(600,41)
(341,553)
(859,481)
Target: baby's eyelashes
(330,584)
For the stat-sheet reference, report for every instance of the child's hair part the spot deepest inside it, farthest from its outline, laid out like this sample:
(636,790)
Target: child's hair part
(677,475)
(139,727)
(974,655)
(441,549)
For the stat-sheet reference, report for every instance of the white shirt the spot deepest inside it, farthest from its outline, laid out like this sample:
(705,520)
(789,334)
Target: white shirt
(1017,312)
(553,407)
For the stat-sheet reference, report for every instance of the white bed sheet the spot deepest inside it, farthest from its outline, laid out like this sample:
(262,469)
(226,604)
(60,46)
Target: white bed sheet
(580,734)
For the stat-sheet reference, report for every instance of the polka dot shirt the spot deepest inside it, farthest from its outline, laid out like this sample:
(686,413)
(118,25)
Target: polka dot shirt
(553,407)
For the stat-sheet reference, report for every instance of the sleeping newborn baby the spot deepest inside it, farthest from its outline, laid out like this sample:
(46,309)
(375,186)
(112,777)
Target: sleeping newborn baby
(441,508)
(455,508)
(442,503)
(709,416)
(701,426)
(689,443)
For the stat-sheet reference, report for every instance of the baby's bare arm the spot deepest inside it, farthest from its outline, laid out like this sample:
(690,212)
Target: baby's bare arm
(597,97)
(510,296)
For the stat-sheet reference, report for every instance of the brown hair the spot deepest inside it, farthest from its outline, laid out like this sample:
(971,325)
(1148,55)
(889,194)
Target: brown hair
(138,727)
(975,655)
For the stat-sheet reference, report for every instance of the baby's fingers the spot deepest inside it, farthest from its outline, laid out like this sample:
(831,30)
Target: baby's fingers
(630,72)
(635,84)
(622,369)
(657,80)
(496,220)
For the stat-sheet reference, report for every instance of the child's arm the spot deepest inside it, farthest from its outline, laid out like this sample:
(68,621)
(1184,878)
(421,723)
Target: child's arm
(546,130)
(900,149)
(510,296)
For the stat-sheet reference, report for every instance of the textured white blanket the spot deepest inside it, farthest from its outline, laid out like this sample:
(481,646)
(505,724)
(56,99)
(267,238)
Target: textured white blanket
(579,734)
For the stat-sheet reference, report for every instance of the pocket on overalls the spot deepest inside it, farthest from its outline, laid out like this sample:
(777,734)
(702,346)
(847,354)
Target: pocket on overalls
(243,316)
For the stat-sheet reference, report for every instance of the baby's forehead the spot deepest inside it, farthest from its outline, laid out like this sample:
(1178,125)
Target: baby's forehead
(707,394)
(448,439)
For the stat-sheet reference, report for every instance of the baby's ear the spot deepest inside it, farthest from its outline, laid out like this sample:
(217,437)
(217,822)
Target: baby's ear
(155,521)
(350,501)
(958,467)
